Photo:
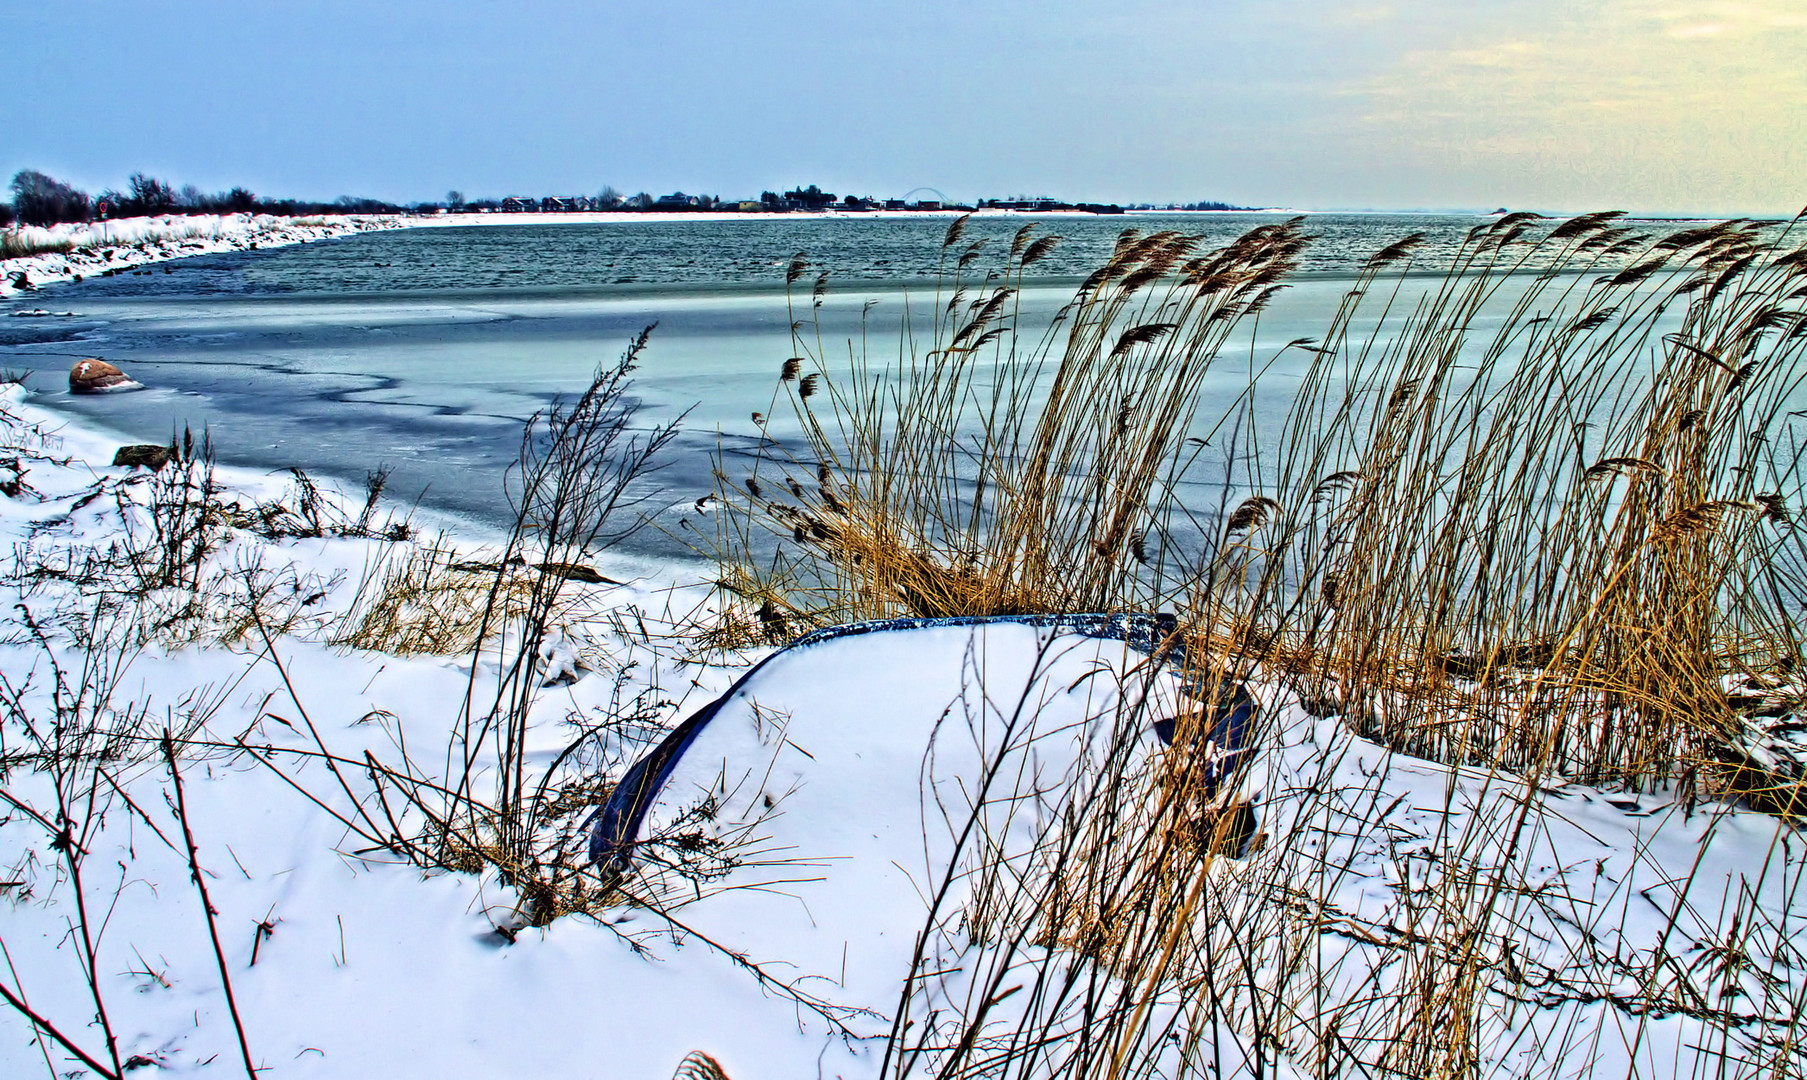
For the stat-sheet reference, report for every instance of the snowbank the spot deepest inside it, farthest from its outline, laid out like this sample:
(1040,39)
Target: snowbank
(629,217)
(870,833)
(73,251)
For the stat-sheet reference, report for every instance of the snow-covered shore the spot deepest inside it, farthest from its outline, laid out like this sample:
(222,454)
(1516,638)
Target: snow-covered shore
(73,251)
(362,965)
(628,217)
(794,868)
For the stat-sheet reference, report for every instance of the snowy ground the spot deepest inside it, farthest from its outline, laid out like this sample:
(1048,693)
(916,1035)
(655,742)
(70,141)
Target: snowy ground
(103,247)
(608,217)
(844,824)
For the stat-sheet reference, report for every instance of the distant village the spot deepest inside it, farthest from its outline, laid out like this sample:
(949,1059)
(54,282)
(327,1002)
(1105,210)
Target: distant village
(811,198)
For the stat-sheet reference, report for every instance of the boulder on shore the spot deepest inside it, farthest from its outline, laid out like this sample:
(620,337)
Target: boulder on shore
(92,376)
(150,455)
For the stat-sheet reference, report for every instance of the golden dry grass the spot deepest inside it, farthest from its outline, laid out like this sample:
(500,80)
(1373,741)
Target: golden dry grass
(1531,513)
(429,598)
(1534,515)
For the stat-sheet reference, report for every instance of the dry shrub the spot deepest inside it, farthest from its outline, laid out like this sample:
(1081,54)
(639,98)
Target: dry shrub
(170,574)
(238,605)
(431,598)
(488,805)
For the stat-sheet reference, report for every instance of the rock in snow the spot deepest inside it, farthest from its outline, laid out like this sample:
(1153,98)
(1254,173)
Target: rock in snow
(152,456)
(91,376)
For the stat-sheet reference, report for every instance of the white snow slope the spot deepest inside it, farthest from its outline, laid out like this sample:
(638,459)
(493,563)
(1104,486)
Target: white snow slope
(802,846)
(101,247)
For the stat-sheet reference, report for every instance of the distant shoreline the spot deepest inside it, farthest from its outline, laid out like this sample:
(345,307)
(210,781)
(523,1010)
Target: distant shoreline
(74,251)
(610,217)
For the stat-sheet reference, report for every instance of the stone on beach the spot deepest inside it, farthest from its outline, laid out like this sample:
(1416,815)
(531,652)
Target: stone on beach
(92,376)
(150,455)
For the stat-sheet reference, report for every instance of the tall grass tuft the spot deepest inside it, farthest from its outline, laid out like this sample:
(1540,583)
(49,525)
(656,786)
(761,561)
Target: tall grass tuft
(1546,544)
(1530,514)
(987,474)
(30,240)
(1532,511)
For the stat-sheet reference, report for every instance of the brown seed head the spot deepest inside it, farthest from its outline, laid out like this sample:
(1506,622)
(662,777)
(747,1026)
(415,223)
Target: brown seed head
(1251,513)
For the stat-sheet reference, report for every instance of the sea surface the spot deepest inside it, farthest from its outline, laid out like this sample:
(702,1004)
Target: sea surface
(424,350)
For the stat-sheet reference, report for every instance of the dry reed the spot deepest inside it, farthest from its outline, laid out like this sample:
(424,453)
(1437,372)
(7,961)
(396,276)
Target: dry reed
(1531,518)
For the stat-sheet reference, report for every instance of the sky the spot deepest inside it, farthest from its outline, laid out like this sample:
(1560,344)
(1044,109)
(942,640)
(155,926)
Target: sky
(1676,106)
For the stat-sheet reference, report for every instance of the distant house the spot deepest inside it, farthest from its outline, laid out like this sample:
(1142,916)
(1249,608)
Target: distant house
(552,204)
(513,205)
(896,204)
(677,200)
(810,198)
(1024,204)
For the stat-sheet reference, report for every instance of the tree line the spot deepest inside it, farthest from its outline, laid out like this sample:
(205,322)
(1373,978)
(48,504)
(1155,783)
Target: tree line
(41,199)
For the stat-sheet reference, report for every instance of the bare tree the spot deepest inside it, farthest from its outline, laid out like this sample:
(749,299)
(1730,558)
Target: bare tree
(150,195)
(39,199)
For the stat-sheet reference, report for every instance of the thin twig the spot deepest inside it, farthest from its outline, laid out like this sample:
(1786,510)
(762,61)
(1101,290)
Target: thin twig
(213,930)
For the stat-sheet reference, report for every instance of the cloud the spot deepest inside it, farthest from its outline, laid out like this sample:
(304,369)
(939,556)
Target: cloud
(1650,104)
(1370,13)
